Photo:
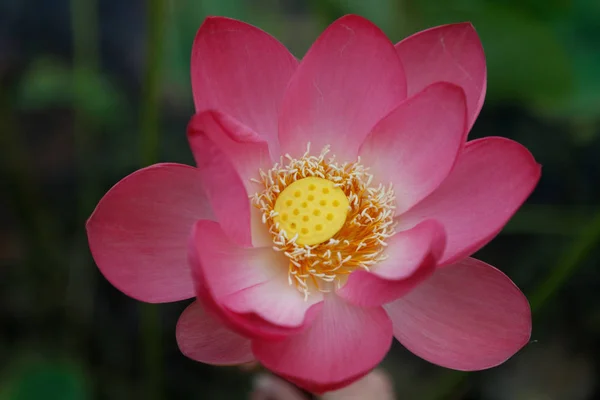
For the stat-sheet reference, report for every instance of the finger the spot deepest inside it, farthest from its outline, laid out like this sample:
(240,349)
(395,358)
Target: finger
(376,385)
(269,387)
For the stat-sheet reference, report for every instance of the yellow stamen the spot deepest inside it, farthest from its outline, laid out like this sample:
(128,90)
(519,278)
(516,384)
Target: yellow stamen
(347,232)
(312,208)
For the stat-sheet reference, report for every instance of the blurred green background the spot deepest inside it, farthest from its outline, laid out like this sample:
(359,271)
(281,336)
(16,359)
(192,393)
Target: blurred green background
(91,90)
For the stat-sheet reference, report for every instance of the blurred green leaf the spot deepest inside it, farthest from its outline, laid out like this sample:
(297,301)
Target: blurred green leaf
(547,9)
(49,83)
(581,35)
(45,83)
(230,8)
(384,13)
(584,101)
(525,59)
(48,381)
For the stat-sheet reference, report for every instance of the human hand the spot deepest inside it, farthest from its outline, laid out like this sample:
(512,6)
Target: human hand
(375,385)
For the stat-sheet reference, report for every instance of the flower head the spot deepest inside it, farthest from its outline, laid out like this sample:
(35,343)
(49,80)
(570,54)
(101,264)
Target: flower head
(334,206)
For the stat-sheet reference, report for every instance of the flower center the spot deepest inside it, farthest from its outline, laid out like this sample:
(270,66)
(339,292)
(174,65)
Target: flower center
(312,208)
(325,217)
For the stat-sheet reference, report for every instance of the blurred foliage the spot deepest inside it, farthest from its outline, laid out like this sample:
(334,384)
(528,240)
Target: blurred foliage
(560,80)
(48,83)
(45,380)
(69,132)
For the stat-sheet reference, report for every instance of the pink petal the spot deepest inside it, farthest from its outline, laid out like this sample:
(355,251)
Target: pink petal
(203,338)
(349,79)
(416,145)
(138,233)
(342,345)
(228,155)
(451,53)
(412,257)
(467,316)
(491,179)
(243,72)
(248,286)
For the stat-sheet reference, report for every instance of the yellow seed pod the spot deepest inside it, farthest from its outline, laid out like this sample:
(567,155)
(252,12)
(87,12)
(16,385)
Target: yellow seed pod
(312,208)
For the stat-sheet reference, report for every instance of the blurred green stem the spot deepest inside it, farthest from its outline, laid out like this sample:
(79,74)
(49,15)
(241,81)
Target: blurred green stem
(149,116)
(79,291)
(150,329)
(538,219)
(84,25)
(567,263)
(37,225)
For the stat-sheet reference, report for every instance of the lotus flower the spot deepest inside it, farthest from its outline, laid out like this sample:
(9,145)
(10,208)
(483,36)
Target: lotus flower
(334,206)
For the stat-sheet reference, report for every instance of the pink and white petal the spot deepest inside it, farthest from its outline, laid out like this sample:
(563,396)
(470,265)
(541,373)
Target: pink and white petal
(244,148)
(468,316)
(411,258)
(138,233)
(201,337)
(246,284)
(227,154)
(491,179)
(241,71)
(248,324)
(275,300)
(343,344)
(228,268)
(416,145)
(451,53)
(350,78)
(255,326)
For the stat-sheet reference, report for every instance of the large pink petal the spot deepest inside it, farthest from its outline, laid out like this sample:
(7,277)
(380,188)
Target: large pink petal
(342,345)
(349,79)
(467,316)
(139,231)
(451,53)
(243,72)
(247,286)
(416,145)
(201,337)
(491,179)
(412,257)
(228,155)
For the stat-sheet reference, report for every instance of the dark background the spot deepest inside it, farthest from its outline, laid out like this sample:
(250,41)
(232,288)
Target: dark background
(91,90)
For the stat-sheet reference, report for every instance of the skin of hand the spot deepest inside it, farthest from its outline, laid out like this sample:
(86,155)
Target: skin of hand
(376,385)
